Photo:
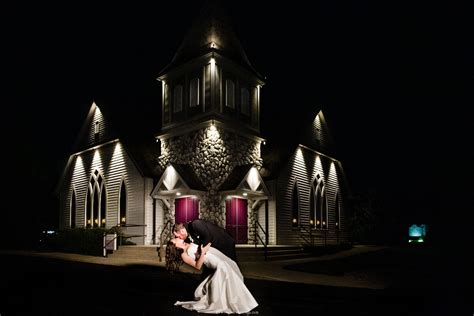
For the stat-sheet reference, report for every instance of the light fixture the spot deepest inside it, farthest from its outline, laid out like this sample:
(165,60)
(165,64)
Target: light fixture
(311,222)
(294,221)
(178,193)
(317,222)
(264,143)
(245,194)
(213,45)
(123,219)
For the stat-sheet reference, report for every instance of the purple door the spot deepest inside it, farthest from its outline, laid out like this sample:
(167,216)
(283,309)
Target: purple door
(236,219)
(186,209)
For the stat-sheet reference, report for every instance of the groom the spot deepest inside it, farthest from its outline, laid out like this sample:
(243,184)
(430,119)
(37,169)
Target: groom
(202,232)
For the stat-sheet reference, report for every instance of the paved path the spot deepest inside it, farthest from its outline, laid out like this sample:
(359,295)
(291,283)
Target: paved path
(271,270)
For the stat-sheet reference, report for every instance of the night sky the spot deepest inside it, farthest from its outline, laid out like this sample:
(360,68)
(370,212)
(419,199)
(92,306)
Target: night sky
(394,83)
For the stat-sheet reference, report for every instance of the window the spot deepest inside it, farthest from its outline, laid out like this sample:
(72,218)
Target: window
(96,202)
(295,218)
(318,204)
(89,207)
(73,209)
(194,92)
(229,93)
(103,207)
(245,101)
(178,99)
(123,205)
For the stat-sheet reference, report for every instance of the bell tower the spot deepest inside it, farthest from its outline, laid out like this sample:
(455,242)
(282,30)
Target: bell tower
(211,78)
(211,107)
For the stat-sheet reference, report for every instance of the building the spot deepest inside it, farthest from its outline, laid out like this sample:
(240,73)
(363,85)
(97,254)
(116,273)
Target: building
(206,161)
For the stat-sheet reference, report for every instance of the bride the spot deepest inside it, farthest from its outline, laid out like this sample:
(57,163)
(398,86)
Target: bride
(223,291)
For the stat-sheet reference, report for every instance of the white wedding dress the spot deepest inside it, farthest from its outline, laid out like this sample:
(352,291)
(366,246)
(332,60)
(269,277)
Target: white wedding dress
(223,291)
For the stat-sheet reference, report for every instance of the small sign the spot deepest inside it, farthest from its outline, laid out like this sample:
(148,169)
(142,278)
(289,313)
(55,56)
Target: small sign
(110,243)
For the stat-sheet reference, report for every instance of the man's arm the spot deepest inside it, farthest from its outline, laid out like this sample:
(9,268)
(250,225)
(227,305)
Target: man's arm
(201,229)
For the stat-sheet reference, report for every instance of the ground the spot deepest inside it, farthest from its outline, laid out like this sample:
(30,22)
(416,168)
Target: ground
(47,286)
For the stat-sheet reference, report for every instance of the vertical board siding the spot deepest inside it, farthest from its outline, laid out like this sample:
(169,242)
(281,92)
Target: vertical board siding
(271,229)
(148,211)
(303,167)
(114,164)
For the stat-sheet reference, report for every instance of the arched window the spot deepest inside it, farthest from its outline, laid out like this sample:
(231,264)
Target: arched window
(229,93)
(295,220)
(103,206)
(324,209)
(245,101)
(96,202)
(123,205)
(312,218)
(178,99)
(338,211)
(73,209)
(194,92)
(89,196)
(318,204)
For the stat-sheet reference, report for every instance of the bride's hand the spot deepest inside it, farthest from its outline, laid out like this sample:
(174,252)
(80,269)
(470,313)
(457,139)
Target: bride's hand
(206,248)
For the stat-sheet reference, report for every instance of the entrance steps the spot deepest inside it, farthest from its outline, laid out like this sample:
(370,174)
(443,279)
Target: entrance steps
(247,253)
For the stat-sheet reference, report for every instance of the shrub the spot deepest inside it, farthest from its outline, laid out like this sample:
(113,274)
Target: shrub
(76,240)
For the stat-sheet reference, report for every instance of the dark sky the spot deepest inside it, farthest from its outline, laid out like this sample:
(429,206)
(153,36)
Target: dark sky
(394,81)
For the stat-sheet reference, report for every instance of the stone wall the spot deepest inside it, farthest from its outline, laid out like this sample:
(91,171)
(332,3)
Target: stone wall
(212,153)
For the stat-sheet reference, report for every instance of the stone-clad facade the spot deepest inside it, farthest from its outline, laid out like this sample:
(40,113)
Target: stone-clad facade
(212,153)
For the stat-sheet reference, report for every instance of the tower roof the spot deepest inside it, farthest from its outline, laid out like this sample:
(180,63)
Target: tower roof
(211,31)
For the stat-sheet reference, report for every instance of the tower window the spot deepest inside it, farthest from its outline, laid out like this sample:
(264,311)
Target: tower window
(229,93)
(178,99)
(194,92)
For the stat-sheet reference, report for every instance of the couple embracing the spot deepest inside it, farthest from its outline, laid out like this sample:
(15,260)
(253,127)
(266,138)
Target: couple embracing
(202,244)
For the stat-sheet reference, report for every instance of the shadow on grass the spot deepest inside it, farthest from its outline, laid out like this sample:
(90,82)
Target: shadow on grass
(403,260)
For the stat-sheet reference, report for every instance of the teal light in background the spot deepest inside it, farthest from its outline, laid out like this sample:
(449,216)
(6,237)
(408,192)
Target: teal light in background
(417,233)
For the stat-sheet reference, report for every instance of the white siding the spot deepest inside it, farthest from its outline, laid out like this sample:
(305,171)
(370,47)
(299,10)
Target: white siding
(114,164)
(148,211)
(271,230)
(303,167)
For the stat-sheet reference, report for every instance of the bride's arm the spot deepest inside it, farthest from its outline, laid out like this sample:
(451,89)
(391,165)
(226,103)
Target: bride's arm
(195,264)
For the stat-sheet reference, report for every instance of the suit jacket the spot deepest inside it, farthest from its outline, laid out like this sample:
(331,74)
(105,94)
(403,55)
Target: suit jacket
(202,232)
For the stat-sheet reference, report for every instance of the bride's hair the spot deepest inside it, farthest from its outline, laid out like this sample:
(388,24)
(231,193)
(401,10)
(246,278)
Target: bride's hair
(173,257)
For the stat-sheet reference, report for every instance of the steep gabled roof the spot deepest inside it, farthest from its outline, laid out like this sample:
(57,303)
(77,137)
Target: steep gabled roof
(211,31)
(178,179)
(279,147)
(132,127)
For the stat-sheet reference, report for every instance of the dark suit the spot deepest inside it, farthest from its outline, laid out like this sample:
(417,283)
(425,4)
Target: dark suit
(203,232)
